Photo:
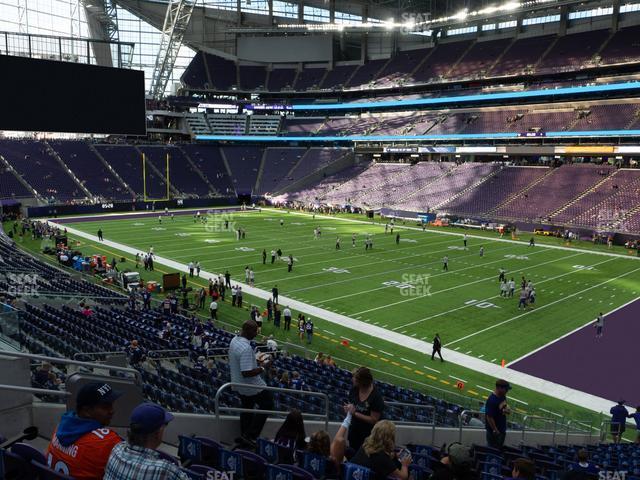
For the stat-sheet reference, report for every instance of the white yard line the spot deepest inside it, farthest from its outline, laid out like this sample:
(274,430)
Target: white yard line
(490,298)
(408,361)
(387,353)
(545,387)
(546,305)
(432,369)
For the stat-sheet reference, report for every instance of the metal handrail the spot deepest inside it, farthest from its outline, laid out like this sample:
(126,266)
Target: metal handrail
(65,361)
(228,385)
(95,354)
(460,424)
(579,422)
(528,417)
(40,391)
(430,408)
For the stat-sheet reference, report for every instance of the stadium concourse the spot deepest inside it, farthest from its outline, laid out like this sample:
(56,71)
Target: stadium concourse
(544,371)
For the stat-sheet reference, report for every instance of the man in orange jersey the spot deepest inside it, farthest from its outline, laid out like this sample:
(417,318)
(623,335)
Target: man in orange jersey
(82,443)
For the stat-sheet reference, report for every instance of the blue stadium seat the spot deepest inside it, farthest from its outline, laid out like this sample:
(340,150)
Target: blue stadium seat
(351,471)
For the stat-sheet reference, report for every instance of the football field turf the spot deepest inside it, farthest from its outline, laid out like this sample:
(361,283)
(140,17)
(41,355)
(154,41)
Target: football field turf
(400,286)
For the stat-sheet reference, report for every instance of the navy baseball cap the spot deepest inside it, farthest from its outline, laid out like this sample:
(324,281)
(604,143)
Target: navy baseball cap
(96,393)
(149,417)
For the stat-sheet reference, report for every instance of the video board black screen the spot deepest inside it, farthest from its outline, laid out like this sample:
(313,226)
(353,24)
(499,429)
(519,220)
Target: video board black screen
(51,96)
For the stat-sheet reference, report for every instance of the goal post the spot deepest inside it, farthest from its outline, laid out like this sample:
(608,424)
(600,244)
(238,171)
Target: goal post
(144,180)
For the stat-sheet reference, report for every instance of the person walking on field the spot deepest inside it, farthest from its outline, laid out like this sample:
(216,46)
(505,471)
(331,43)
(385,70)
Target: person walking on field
(437,348)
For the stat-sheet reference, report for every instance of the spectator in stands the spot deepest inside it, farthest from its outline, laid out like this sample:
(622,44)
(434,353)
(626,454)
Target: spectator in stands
(365,404)
(284,381)
(135,353)
(137,458)
(496,411)
(328,361)
(297,381)
(636,417)
(378,453)
(244,369)
(291,433)
(584,465)
(619,416)
(44,377)
(319,358)
(272,345)
(81,444)
(456,463)
(320,444)
(524,468)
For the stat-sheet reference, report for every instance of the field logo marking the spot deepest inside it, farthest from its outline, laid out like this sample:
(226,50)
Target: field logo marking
(138,224)
(408,240)
(420,285)
(336,270)
(158,229)
(211,240)
(517,257)
(183,234)
(455,247)
(583,267)
(245,249)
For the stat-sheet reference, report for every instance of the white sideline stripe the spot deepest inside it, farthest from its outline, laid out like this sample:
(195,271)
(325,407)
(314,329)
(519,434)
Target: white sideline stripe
(454,234)
(545,387)
(406,360)
(537,309)
(491,298)
(549,411)
(589,323)
(432,369)
(387,353)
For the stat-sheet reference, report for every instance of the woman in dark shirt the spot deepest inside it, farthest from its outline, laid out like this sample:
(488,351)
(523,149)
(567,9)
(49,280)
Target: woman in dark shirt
(291,434)
(378,453)
(366,406)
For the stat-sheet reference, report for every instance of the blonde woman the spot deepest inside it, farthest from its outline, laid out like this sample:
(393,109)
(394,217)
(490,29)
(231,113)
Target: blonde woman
(378,453)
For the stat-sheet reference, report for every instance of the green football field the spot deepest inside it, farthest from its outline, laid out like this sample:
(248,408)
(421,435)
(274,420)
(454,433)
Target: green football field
(398,285)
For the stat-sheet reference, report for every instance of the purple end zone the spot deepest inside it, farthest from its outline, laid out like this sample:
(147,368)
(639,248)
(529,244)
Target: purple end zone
(606,367)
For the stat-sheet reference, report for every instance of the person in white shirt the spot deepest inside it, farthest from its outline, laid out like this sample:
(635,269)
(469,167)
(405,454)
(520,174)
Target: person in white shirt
(252,277)
(191,269)
(213,308)
(503,289)
(512,287)
(245,370)
(246,274)
(272,345)
(286,313)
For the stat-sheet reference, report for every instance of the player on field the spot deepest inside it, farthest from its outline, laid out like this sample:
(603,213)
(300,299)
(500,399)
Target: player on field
(397,238)
(532,242)
(502,278)
(503,289)
(599,325)
(264,256)
(445,263)
(252,277)
(532,296)
(464,240)
(337,243)
(315,233)
(281,222)
(273,256)
(353,240)
(523,299)
(290,263)
(160,219)
(512,287)
(482,251)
